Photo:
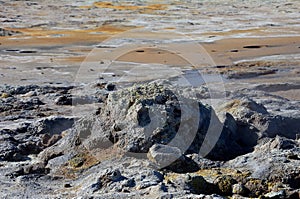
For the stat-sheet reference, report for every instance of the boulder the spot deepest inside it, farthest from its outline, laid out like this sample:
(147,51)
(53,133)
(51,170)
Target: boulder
(171,158)
(136,118)
(163,155)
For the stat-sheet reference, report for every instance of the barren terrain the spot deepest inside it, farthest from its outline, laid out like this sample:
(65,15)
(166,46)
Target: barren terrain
(149,99)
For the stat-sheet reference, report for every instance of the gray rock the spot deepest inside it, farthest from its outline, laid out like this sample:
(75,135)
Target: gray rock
(148,178)
(105,152)
(63,100)
(282,143)
(52,125)
(29,94)
(110,87)
(163,155)
(8,151)
(136,118)
(22,89)
(238,189)
(204,163)
(276,195)
(75,100)
(262,122)
(171,158)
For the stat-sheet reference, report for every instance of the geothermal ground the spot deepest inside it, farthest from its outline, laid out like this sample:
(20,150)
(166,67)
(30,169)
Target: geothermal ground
(149,99)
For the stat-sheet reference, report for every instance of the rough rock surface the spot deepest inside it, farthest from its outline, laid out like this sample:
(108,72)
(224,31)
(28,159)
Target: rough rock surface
(123,147)
(81,118)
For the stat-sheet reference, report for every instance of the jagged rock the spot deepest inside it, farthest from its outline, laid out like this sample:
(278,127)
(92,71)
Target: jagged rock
(29,104)
(270,162)
(104,155)
(282,143)
(183,165)
(133,176)
(141,109)
(35,168)
(136,118)
(228,145)
(64,146)
(259,121)
(18,142)
(111,176)
(145,119)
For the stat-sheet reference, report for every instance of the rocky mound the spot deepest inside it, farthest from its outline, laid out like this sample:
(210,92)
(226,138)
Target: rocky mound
(136,118)
(153,140)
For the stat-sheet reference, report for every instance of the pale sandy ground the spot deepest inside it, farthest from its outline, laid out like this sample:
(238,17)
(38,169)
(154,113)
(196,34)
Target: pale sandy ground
(58,43)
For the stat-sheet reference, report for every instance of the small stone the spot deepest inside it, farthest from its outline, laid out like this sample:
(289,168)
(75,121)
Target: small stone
(63,100)
(129,183)
(293,157)
(17,157)
(48,140)
(5,95)
(29,94)
(238,189)
(54,139)
(148,178)
(95,187)
(110,87)
(275,195)
(67,185)
(114,175)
